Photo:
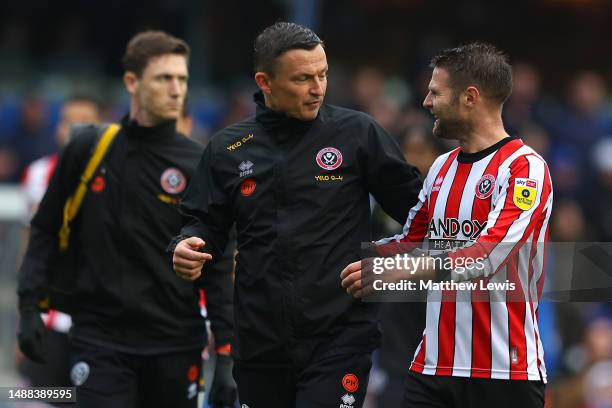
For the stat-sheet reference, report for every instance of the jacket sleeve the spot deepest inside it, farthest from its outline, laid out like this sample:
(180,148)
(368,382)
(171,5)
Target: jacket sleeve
(415,227)
(206,209)
(42,249)
(394,183)
(218,283)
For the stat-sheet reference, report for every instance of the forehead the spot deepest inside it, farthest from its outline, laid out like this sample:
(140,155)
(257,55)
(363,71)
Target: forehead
(440,78)
(167,63)
(79,107)
(302,61)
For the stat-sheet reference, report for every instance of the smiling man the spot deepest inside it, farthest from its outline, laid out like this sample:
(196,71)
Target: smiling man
(137,333)
(481,346)
(296,180)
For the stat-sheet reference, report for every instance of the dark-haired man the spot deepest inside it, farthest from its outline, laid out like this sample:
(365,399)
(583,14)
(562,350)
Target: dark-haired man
(481,345)
(137,332)
(296,180)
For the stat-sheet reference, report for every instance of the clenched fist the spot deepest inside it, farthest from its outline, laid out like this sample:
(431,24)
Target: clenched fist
(188,260)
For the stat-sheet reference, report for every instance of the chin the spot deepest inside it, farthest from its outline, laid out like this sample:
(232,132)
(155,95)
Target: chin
(310,115)
(170,116)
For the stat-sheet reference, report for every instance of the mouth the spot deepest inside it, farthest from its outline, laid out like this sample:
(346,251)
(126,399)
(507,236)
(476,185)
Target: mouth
(313,104)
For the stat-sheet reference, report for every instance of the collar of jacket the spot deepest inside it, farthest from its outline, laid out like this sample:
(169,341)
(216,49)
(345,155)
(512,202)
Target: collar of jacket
(164,130)
(281,126)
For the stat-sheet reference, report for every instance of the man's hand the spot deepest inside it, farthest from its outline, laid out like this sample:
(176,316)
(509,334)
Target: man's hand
(223,392)
(351,279)
(358,277)
(188,260)
(32,335)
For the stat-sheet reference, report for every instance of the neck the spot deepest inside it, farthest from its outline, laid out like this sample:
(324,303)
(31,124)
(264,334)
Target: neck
(141,116)
(269,104)
(486,131)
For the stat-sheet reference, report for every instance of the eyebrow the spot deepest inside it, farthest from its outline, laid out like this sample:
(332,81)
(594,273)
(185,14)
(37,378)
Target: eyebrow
(308,74)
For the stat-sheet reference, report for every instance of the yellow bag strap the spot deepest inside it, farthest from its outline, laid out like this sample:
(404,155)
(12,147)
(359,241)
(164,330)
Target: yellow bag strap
(73,203)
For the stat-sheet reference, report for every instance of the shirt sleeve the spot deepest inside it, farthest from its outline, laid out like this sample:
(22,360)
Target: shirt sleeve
(206,208)
(521,209)
(394,183)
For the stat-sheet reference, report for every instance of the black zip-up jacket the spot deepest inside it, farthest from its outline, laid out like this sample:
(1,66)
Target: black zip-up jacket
(124,294)
(299,195)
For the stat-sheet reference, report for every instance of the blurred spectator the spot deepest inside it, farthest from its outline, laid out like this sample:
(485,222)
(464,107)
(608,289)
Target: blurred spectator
(568,172)
(591,386)
(575,128)
(586,118)
(240,107)
(568,222)
(32,138)
(9,164)
(598,386)
(77,109)
(536,137)
(368,88)
(600,208)
(380,97)
(525,105)
(419,147)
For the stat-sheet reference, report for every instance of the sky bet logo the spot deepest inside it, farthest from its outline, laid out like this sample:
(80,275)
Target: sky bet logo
(451,227)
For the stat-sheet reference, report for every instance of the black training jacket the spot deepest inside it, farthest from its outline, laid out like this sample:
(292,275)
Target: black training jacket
(299,195)
(124,293)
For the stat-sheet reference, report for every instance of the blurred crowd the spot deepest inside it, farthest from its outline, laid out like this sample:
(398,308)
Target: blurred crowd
(572,131)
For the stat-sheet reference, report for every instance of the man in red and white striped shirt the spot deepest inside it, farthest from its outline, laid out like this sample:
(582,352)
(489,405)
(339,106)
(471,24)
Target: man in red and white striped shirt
(484,209)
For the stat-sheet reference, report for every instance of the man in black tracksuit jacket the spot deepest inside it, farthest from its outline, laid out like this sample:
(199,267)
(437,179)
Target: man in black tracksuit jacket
(296,180)
(137,331)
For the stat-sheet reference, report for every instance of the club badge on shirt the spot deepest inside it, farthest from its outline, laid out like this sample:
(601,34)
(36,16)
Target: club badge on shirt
(485,185)
(329,158)
(173,181)
(525,193)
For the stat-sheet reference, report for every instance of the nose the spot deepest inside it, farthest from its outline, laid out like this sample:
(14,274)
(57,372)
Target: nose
(427,102)
(318,87)
(175,87)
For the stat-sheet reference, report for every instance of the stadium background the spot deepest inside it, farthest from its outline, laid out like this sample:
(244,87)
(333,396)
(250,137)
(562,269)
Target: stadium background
(378,51)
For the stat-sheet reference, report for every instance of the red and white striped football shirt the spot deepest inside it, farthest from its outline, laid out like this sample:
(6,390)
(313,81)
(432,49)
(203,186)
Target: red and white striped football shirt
(498,201)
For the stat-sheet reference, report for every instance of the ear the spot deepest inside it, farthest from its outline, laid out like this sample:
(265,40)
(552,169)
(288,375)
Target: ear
(262,80)
(130,81)
(471,96)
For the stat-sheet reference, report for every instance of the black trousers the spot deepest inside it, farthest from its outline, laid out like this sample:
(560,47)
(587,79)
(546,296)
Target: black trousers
(431,391)
(109,378)
(333,381)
